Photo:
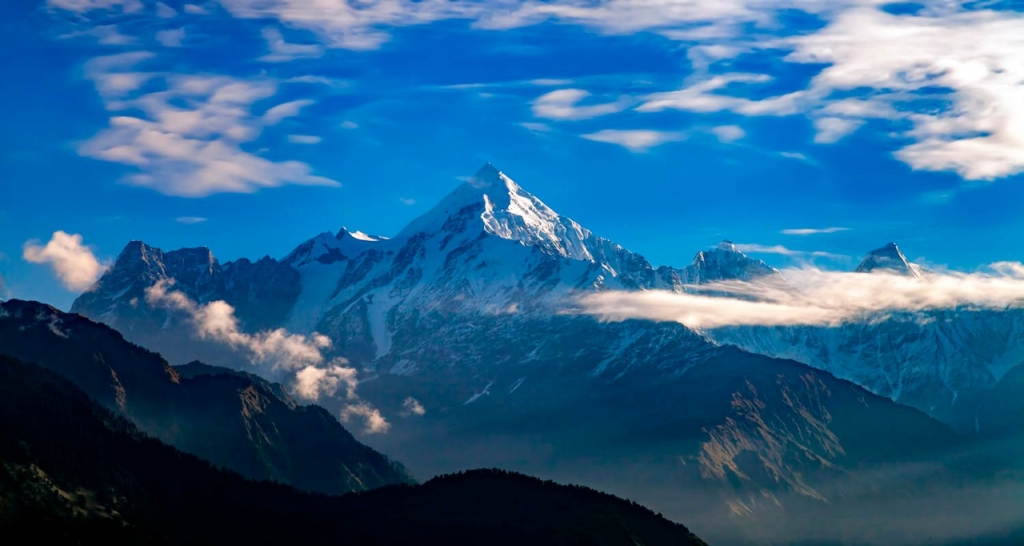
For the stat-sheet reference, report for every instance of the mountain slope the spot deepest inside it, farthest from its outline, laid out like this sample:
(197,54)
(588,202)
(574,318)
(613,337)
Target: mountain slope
(73,472)
(943,362)
(248,425)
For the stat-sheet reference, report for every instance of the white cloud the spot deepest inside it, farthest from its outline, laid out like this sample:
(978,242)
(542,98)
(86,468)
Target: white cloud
(963,96)
(187,139)
(113,75)
(784,251)
(412,406)
(536,127)
(312,382)
(195,9)
(728,133)
(980,135)
(406,201)
(81,6)
(285,110)
(74,263)
(549,82)
(171,37)
(106,35)
(702,97)
(282,51)
(190,219)
(345,24)
(813,231)
(831,130)
(374,421)
(563,104)
(349,124)
(815,297)
(314,376)
(164,11)
(795,155)
(304,139)
(636,140)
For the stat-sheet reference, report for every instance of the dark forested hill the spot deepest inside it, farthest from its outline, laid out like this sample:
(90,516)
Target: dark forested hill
(73,472)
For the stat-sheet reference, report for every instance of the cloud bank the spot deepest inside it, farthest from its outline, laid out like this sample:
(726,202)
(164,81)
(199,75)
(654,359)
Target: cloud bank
(74,263)
(314,376)
(812,297)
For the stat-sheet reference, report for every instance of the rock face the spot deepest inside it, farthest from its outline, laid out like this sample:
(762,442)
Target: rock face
(464,313)
(234,420)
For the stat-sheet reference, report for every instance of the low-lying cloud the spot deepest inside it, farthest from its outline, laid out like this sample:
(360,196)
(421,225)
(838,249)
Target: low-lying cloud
(412,406)
(314,376)
(375,422)
(74,263)
(813,297)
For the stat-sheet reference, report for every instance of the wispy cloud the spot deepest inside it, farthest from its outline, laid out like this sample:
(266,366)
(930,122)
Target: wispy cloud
(728,133)
(702,97)
(784,251)
(406,201)
(814,297)
(374,421)
(171,37)
(563,104)
(74,263)
(187,139)
(412,406)
(536,127)
(275,115)
(282,51)
(813,231)
(190,219)
(635,140)
(304,139)
(165,12)
(81,6)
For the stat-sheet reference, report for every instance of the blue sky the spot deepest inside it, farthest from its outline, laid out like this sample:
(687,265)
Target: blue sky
(666,125)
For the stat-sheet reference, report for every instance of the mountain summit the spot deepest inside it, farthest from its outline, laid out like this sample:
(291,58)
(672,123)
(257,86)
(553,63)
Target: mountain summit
(497,205)
(724,263)
(889,258)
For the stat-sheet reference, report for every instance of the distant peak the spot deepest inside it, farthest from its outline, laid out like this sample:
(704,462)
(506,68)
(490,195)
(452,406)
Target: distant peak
(487,177)
(728,246)
(888,258)
(725,262)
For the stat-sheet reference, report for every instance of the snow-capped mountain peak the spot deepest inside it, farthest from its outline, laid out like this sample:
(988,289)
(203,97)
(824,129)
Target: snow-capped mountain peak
(726,262)
(494,203)
(889,258)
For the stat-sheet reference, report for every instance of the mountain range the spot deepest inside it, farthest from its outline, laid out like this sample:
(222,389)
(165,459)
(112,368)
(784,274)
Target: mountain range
(463,312)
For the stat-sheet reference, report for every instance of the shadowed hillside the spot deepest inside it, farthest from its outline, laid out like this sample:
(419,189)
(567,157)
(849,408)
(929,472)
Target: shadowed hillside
(76,473)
